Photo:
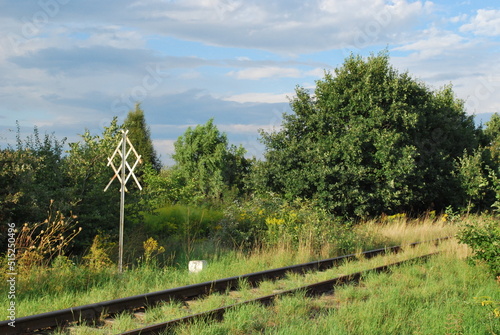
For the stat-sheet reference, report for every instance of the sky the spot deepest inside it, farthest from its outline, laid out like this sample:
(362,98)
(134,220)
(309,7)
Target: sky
(67,66)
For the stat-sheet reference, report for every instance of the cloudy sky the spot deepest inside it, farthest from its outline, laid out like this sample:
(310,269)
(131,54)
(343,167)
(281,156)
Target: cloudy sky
(69,65)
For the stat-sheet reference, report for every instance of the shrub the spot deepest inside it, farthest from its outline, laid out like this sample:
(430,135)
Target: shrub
(273,221)
(484,239)
(98,256)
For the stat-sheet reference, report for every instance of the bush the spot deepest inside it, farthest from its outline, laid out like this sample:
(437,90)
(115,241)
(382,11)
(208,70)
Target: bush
(243,222)
(178,220)
(272,221)
(484,239)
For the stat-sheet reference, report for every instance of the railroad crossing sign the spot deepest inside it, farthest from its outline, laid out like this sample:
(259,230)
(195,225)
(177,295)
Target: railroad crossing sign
(123,173)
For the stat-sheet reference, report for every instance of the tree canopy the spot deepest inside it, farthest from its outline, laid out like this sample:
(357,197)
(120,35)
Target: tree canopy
(140,136)
(205,161)
(369,140)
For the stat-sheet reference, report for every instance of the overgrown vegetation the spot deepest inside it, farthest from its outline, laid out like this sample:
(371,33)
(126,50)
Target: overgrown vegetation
(483,236)
(67,282)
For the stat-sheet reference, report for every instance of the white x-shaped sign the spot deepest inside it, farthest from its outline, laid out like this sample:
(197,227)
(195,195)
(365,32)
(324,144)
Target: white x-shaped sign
(129,170)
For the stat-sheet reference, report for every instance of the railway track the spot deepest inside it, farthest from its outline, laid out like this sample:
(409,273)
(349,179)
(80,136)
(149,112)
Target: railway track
(310,290)
(93,312)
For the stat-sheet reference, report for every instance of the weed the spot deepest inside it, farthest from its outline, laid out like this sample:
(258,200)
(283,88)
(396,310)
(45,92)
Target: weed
(98,256)
(39,243)
(151,250)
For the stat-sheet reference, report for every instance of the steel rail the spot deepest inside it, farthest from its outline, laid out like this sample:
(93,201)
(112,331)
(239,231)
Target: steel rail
(94,311)
(310,290)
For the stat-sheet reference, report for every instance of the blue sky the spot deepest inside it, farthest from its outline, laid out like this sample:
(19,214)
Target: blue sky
(69,65)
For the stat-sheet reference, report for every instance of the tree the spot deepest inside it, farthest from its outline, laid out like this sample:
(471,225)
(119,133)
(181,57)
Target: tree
(491,156)
(32,176)
(88,174)
(369,140)
(140,136)
(492,137)
(475,179)
(16,175)
(207,164)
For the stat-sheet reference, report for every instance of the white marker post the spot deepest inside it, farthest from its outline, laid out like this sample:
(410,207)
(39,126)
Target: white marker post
(122,176)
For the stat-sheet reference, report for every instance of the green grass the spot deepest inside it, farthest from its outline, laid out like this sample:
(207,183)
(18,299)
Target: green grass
(47,289)
(435,297)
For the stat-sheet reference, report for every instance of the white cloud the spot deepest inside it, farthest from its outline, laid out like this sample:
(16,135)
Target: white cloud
(247,129)
(259,97)
(164,146)
(458,18)
(266,72)
(317,72)
(171,128)
(263,72)
(486,23)
(434,42)
(191,74)
(165,149)
(287,27)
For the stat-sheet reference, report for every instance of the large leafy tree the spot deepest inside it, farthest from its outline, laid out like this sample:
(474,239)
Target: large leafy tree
(140,136)
(369,140)
(207,164)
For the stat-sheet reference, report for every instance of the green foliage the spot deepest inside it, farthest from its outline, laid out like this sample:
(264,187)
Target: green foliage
(243,223)
(151,251)
(495,183)
(140,136)
(369,140)
(17,170)
(475,180)
(489,303)
(301,222)
(88,174)
(31,176)
(272,222)
(97,258)
(208,166)
(484,239)
(491,157)
(492,134)
(163,188)
(178,220)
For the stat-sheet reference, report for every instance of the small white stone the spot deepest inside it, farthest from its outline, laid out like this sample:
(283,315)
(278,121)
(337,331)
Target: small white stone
(197,266)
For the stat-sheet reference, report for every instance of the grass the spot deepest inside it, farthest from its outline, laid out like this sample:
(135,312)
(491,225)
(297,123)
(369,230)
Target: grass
(414,296)
(439,296)
(48,289)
